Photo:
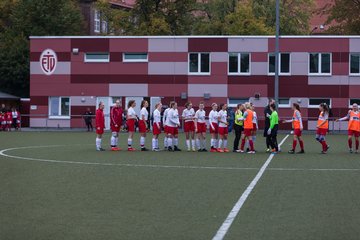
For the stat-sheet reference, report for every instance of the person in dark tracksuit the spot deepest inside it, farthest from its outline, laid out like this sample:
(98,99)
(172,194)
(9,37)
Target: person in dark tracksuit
(267,113)
(238,126)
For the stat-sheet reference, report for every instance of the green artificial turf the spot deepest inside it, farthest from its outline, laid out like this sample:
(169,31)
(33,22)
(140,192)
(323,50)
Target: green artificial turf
(84,194)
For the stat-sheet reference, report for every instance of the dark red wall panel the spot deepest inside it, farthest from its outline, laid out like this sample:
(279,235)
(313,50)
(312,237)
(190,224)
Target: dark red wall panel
(91,44)
(208,45)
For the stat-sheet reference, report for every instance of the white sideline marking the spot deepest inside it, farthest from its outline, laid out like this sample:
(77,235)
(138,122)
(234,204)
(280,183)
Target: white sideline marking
(314,169)
(220,234)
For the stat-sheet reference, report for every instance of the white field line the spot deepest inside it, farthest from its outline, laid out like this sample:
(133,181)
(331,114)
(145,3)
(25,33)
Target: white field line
(224,228)
(2,153)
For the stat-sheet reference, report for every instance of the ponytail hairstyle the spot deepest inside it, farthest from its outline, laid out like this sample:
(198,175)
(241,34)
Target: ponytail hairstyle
(221,105)
(130,103)
(296,106)
(325,107)
(143,102)
(157,105)
(238,106)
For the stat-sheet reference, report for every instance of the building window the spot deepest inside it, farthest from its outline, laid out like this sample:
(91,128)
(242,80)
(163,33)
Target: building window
(199,63)
(284,102)
(239,63)
(320,64)
(97,21)
(97,57)
(284,63)
(59,107)
(135,57)
(315,102)
(355,64)
(354,100)
(104,27)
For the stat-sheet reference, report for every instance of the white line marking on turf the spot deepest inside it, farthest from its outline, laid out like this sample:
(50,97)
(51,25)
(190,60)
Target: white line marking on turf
(220,234)
(2,153)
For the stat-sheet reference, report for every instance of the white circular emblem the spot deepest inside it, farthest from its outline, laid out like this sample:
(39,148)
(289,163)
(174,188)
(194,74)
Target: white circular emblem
(48,61)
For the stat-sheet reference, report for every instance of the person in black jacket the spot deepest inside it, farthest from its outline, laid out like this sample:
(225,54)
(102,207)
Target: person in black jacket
(88,116)
(267,113)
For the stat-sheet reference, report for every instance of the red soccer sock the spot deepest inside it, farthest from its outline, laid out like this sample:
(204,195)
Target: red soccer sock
(301,144)
(324,145)
(294,144)
(251,143)
(350,143)
(242,144)
(357,144)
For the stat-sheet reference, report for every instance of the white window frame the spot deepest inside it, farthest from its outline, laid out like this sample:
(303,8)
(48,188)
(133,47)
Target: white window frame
(199,64)
(239,73)
(350,105)
(285,105)
(59,117)
(316,106)
(319,64)
(135,60)
(97,60)
(350,73)
(97,21)
(279,65)
(104,26)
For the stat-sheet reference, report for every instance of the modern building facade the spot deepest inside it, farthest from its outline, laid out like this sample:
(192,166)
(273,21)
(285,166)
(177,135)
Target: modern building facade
(70,74)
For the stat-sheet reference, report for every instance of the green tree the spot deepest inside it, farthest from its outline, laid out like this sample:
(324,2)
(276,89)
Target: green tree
(211,16)
(294,15)
(346,15)
(32,18)
(244,22)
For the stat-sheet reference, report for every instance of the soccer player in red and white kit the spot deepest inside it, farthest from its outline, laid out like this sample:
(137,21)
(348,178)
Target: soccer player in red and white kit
(116,115)
(172,125)
(353,127)
(144,115)
(223,128)
(297,125)
(8,117)
(156,127)
(164,125)
(100,126)
(213,122)
(131,118)
(200,128)
(188,115)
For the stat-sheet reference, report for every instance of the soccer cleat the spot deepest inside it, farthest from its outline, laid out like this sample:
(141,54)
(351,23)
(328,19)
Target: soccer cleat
(193,149)
(199,150)
(251,152)
(226,150)
(156,150)
(115,149)
(323,152)
(292,151)
(176,149)
(131,149)
(204,150)
(213,150)
(268,150)
(301,152)
(327,147)
(100,149)
(144,149)
(240,151)
(220,150)
(356,151)
(170,149)
(189,150)
(350,150)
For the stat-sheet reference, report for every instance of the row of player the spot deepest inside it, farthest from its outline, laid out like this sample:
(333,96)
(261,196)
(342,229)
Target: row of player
(9,119)
(245,127)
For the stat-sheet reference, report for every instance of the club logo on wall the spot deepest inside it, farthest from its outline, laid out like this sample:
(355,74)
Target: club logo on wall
(48,61)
